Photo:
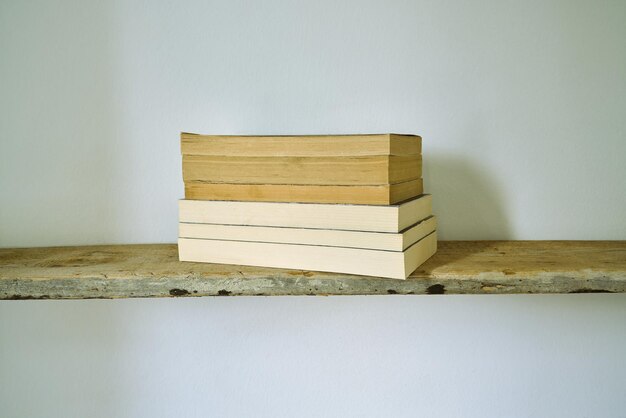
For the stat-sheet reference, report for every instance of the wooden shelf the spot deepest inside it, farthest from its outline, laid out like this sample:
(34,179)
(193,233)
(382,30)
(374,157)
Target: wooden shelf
(459,267)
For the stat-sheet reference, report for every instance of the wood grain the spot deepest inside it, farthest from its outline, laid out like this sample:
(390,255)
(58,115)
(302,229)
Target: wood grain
(382,169)
(301,145)
(386,194)
(459,267)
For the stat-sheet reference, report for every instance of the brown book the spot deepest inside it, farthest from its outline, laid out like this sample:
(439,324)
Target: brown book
(300,146)
(386,194)
(369,170)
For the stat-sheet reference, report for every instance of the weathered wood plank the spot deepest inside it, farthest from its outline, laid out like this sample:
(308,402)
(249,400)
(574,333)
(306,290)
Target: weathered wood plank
(459,267)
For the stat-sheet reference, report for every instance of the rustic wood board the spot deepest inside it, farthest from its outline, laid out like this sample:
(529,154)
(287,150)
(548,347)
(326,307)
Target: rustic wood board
(459,267)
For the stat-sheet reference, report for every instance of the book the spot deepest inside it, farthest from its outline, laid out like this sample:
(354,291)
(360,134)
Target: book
(378,169)
(381,194)
(378,263)
(373,218)
(326,237)
(300,146)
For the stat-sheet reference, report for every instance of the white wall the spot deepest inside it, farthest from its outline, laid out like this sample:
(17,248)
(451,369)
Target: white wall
(522,109)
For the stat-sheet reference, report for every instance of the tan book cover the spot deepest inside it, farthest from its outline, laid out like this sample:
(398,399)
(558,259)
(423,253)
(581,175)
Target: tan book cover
(367,170)
(383,194)
(300,145)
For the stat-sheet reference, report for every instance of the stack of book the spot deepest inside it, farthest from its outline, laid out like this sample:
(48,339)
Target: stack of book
(341,203)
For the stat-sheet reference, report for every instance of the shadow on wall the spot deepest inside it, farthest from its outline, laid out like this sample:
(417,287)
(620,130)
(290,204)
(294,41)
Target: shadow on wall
(467,200)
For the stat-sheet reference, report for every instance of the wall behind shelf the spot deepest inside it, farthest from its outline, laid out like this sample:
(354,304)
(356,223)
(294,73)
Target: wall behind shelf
(521,106)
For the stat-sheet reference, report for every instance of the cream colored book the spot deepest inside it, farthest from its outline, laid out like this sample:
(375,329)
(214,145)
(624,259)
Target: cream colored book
(377,263)
(326,237)
(300,145)
(372,218)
